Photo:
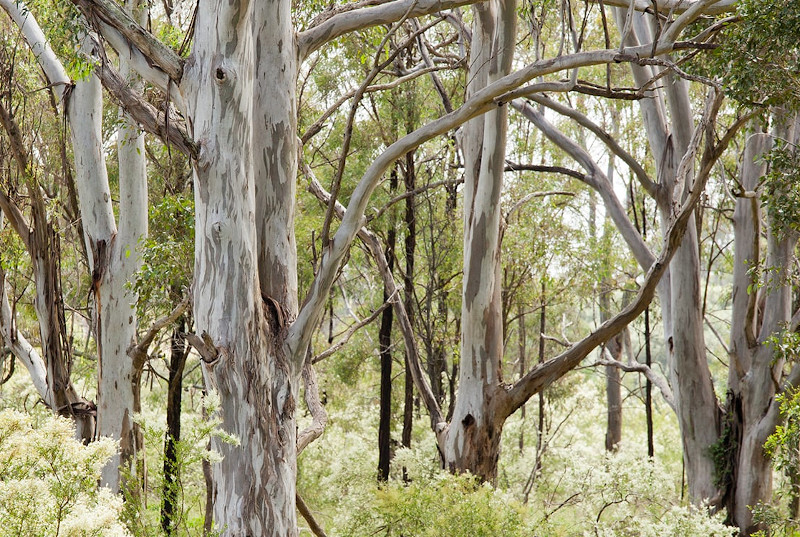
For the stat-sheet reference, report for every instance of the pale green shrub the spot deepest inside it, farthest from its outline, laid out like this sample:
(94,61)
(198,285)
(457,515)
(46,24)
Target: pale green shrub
(48,481)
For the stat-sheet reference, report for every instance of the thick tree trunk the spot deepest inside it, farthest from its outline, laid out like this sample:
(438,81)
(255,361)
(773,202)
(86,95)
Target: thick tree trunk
(243,296)
(752,413)
(472,441)
(696,403)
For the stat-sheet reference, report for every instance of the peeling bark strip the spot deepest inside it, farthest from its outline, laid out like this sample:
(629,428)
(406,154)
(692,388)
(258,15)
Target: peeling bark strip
(110,13)
(42,243)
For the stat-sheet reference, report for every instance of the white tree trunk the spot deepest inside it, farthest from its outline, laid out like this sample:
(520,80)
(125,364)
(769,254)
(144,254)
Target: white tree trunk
(119,378)
(472,441)
(755,370)
(696,402)
(257,384)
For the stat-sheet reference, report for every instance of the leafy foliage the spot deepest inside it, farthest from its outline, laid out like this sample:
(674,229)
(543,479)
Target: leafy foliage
(167,254)
(782,187)
(48,481)
(758,56)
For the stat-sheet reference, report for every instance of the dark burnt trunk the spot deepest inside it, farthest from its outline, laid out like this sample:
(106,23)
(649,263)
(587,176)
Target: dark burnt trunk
(170,505)
(385,343)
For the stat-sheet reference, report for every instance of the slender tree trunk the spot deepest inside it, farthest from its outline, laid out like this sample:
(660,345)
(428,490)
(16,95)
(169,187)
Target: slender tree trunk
(385,343)
(410,245)
(119,380)
(522,367)
(541,416)
(170,497)
(648,388)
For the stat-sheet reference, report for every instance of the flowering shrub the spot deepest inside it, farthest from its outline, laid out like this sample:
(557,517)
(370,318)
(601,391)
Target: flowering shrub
(48,481)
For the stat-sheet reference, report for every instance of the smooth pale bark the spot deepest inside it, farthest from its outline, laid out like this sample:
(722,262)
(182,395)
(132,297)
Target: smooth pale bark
(472,441)
(274,139)
(254,485)
(696,402)
(755,370)
(671,144)
(119,375)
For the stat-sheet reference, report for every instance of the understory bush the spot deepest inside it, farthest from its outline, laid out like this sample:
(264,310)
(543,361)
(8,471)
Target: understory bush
(48,481)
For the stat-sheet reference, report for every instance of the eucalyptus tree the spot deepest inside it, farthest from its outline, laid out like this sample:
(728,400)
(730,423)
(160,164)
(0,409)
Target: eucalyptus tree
(237,94)
(722,444)
(49,367)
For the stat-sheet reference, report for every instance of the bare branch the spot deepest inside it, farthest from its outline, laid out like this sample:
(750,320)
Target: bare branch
(144,342)
(367,17)
(203,344)
(349,333)
(515,167)
(533,195)
(717,335)
(676,6)
(313,525)
(372,243)
(110,18)
(657,380)
(152,120)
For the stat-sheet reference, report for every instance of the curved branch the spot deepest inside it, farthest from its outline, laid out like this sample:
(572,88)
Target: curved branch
(367,17)
(581,119)
(657,380)
(40,47)
(676,6)
(140,348)
(318,414)
(489,97)
(545,374)
(313,525)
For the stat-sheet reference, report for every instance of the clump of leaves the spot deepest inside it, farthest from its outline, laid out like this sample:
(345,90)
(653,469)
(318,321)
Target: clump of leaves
(48,481)
(781,190)
(758,55)
(167,255)
(445,505)
(782,446)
